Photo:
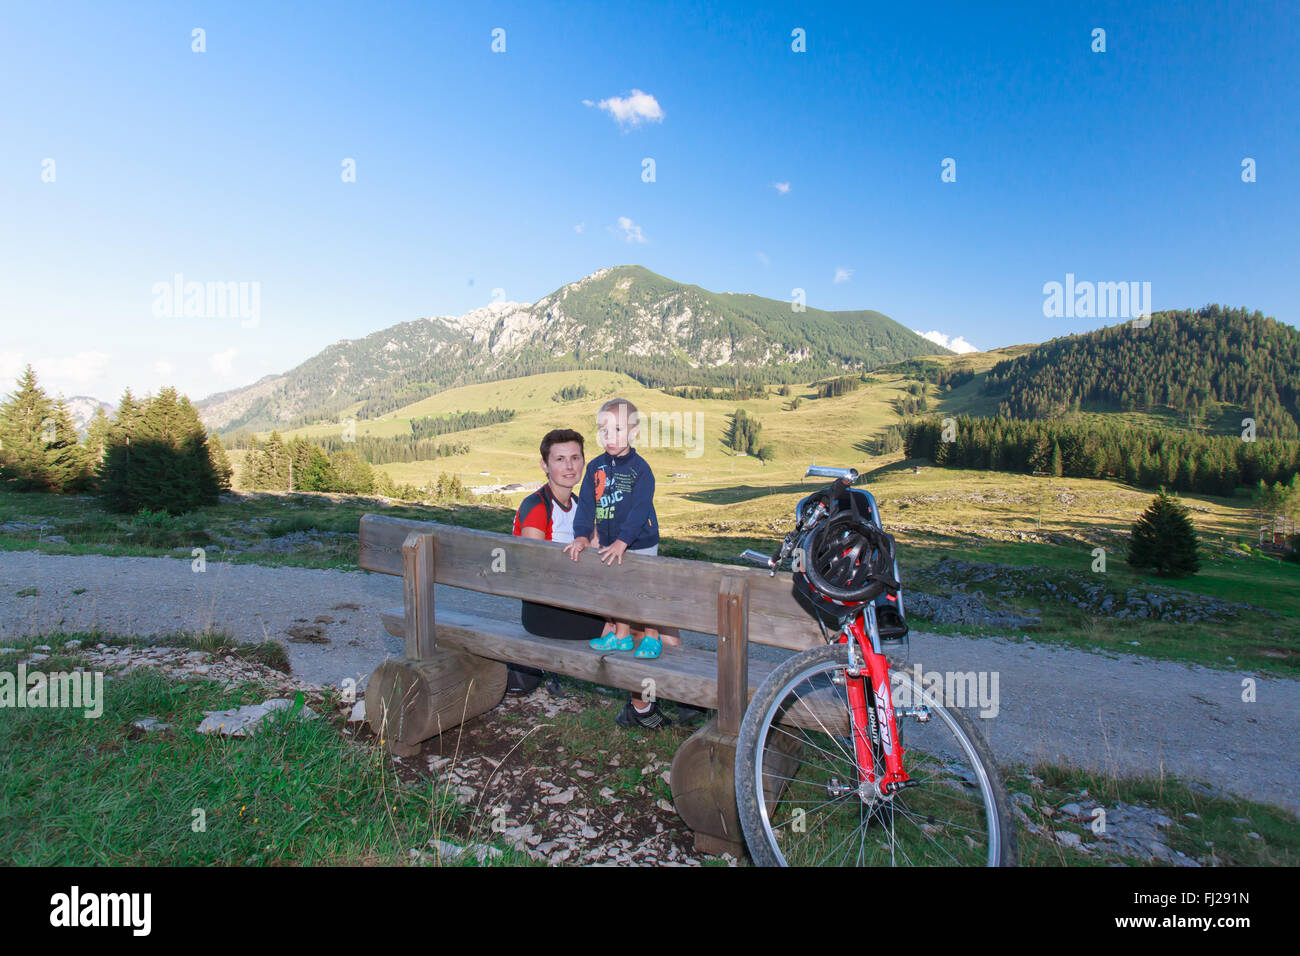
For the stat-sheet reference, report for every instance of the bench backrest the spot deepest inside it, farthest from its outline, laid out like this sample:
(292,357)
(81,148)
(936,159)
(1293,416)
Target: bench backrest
(668,592)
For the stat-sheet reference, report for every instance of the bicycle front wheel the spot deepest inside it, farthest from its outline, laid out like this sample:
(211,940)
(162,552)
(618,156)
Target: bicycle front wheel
(801,802)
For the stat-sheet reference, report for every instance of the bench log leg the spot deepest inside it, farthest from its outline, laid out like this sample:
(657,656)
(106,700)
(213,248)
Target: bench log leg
(704,790)
(410,701)
(703,774)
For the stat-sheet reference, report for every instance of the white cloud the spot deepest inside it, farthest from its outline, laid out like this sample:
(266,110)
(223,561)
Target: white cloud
(223,362)
(957,344)
(762,257)
(11,366)
(631,231)
(72,373)
(631,110)
(782,188)
(580,227)
(164,368)
(57,374)
(843,275)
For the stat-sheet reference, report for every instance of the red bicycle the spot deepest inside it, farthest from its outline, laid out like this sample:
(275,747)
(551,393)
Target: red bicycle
(841,761)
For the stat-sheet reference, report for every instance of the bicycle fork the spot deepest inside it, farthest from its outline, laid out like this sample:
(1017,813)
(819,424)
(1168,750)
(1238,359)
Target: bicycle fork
(866,662)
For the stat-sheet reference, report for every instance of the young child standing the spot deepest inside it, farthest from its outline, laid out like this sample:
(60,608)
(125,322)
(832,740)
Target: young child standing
(616,502)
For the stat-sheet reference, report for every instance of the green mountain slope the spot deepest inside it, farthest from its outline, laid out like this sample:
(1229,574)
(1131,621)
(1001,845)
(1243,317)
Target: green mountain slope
(1187,362)
(625,319)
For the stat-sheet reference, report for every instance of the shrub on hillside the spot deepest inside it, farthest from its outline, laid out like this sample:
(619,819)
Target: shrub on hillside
(570,393)
(448,488)
(742,435)
(1163,539)
(156,458)
(352,475)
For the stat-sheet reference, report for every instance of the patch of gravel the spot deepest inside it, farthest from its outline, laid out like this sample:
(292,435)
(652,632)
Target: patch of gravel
(966,609)
(23,527)
(144,597)
(186,664)
(1123,830)
(295,542)
(562,813)
(1115,714)
(1131,716)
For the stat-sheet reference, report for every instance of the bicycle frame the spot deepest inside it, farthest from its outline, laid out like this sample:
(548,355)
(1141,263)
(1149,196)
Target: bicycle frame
(866,641)
(864,721)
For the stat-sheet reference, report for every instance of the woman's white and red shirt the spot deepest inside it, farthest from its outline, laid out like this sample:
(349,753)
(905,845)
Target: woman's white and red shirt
(540,510)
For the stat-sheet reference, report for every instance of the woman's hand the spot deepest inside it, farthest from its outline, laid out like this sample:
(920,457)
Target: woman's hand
(575,547)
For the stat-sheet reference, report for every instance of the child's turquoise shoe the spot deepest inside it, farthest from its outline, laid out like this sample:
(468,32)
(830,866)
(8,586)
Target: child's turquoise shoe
(650,647)
(611,642)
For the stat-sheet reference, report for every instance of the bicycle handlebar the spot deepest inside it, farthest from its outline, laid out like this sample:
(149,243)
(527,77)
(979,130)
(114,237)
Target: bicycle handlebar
(848,475)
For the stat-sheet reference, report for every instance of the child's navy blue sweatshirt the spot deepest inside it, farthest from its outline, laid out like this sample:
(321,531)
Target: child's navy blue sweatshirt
(617,497)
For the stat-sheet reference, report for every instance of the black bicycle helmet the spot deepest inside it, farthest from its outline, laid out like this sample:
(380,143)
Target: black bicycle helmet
(847,560)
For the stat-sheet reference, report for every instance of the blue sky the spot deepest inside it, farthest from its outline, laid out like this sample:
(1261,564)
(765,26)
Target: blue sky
(474,169)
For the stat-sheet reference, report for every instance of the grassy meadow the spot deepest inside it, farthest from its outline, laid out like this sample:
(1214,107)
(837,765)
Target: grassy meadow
(712,504)
(837,431)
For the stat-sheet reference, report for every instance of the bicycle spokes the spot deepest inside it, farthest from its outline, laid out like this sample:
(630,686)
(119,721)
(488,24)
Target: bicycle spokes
(819,808)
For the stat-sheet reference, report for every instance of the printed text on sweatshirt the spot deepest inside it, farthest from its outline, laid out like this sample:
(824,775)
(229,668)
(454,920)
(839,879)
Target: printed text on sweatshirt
(617,497)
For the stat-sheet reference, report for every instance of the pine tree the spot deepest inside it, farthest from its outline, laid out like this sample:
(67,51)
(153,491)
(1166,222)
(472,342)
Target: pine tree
(1290,500)
(97,432)
(128,413)
(384,484)
(1163,539)
(157,457)
(39,450)
(22,446)
(311,467)
(353,475)
(220,462)
(277,463)
(254,466)
(744,432)
(66,460)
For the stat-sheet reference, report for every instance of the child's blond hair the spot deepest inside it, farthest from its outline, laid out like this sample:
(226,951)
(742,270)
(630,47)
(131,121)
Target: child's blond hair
(633,416)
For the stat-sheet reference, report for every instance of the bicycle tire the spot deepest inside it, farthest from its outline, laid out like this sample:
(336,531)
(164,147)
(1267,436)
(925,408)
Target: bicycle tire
(759,833)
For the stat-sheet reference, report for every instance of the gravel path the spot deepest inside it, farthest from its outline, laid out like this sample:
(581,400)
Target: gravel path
(1127,715)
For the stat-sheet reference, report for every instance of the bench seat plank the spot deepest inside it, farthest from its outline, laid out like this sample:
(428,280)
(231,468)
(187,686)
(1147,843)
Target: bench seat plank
(684,674)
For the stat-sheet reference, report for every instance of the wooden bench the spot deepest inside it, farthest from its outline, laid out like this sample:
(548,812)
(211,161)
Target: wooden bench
(455,664)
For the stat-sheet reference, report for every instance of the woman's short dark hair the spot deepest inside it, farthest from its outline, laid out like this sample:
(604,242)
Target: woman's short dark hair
(559,436)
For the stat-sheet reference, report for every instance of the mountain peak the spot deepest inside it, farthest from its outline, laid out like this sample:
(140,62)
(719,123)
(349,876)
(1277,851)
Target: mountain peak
(623,318)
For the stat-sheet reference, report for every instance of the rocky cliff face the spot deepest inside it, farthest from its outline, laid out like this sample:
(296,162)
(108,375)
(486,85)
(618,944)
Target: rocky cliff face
(82,409)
